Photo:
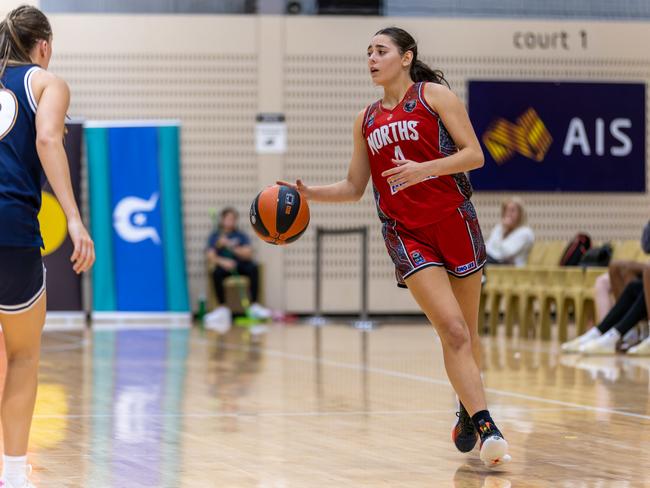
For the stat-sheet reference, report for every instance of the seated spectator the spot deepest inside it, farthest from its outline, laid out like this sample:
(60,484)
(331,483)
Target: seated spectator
(610,285)
(628,310)
(619,274)
(231,253)
(510,241)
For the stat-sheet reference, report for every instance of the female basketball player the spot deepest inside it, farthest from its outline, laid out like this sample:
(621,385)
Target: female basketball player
(33,105)
(416,142)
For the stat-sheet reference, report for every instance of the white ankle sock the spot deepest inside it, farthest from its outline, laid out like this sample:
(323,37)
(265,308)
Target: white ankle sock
(14,470)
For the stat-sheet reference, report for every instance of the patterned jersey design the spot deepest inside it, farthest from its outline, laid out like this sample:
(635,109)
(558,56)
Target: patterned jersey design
(412,130)
(468,212)
(382,216)
(463,184)
(397,251)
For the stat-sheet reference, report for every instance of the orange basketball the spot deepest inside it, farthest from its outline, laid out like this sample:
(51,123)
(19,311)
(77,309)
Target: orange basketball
(279,215)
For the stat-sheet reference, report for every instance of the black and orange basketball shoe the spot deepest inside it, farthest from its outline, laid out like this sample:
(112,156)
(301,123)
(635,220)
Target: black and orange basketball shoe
(464,434)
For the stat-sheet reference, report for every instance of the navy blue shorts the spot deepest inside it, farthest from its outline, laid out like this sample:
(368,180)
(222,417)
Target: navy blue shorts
(22,278)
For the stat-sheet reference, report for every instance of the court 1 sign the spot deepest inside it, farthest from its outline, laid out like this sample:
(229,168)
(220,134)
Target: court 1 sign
(544,136)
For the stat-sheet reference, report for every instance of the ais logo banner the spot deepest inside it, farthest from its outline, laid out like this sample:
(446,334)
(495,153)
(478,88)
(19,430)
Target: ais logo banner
(542,136)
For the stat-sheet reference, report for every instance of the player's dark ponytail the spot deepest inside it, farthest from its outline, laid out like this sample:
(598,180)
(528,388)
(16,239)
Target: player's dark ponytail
(419,71)
(20,30)
(422,72)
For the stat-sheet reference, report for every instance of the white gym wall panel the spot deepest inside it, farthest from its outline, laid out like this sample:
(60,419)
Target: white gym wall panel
(214,73)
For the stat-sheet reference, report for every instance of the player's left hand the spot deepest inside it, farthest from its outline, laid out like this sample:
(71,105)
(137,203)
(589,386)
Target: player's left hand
(406,173)
(83,255)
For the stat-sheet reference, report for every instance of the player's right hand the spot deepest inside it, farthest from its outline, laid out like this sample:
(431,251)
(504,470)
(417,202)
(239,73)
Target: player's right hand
(83,255)
(228,264)
(299,186)
(224,242)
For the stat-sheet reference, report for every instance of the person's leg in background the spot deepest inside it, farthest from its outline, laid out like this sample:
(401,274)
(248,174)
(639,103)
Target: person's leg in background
(219,319)
(621,273)
(218,276)
(635,310)
(603,296)
(250,269)
(628,298)
(643,348)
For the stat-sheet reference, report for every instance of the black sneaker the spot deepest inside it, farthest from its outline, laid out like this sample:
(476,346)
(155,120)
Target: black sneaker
(494,448)
(464,434)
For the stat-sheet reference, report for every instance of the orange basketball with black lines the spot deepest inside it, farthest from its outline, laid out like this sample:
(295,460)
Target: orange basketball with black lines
(279,215)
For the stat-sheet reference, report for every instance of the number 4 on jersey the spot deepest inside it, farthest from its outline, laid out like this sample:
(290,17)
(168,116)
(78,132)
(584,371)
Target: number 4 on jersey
(399,154)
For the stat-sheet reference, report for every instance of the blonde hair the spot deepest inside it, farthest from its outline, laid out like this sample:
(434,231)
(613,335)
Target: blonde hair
(520,206)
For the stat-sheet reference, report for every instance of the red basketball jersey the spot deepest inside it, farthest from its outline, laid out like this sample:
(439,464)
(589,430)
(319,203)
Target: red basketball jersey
(412,130)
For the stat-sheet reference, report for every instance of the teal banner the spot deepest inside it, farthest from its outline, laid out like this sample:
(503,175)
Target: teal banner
(136,216)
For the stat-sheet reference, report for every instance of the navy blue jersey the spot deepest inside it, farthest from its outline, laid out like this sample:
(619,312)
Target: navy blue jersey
(21,173)
(239,238)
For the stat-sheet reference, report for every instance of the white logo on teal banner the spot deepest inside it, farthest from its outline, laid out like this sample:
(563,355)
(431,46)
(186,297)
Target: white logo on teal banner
(136,216)
(130,219)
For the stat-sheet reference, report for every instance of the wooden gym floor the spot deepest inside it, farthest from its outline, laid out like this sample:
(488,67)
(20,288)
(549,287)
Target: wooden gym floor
(180,408)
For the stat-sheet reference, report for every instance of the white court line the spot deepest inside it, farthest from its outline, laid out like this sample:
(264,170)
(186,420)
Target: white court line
(281,414)
(253,414)
(425,379)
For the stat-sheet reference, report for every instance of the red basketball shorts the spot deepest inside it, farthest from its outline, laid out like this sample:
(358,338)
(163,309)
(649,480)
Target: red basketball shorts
(456,243)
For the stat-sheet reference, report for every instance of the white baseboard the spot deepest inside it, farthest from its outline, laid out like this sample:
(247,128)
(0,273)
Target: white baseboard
(55,321)
(141,320)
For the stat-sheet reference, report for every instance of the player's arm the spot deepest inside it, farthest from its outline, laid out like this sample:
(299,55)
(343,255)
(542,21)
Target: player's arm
(215,260)
(53,101)
(352,188)
(211,256)
(243,250)
(211,251)
(244,253)
(454,116)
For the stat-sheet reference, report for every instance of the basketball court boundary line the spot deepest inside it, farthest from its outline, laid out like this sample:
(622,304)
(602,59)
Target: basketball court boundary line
(425,379)
(252,414)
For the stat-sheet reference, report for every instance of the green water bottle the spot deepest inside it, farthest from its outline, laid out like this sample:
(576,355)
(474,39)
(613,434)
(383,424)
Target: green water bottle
(202,310)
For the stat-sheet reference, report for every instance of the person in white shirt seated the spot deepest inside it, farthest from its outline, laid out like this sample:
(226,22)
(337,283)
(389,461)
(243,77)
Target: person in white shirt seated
(510,241)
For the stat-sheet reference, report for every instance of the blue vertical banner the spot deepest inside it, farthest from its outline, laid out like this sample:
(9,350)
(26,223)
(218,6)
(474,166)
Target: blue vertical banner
(137,219)
(136,216)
